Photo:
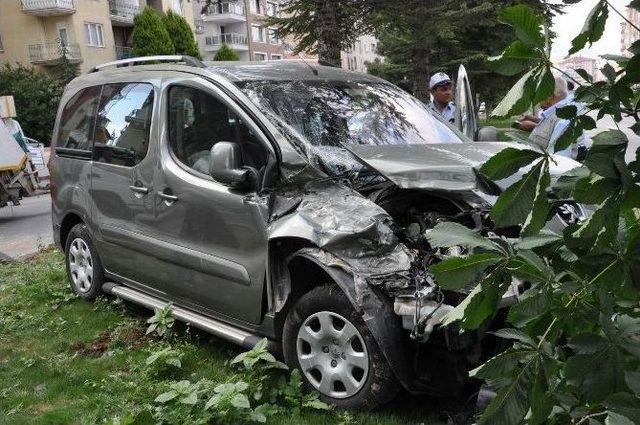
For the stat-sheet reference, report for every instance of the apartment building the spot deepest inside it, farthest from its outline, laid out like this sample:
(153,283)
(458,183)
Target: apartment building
(362,52)
(241,25)
(628,33)
(88,32)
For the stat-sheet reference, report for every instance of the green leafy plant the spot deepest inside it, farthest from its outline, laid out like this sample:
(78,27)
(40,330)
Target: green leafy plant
(575,332)
(36,97)
(181,35)
(226,53)
(294,396)
(166,357)
(150,36)
(161,322)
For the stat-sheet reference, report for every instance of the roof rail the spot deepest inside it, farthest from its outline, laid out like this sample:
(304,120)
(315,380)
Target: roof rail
(187,60)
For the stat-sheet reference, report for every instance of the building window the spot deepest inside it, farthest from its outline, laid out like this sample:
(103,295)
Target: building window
(1,48)
(257,33)
(256,7)
(275,57)
(260,56)
(93,33)
(273,38)
(272,8)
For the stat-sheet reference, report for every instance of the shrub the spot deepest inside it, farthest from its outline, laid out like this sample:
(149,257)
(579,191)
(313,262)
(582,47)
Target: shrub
(36,97)
(181,35)
(150,36)
(226,53)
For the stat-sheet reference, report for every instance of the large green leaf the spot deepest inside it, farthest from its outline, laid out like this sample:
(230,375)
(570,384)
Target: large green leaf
(481,303)
(539,213)
(593,27)
(516,58)
(458,272)
(507,162)
(512,401)
(527,25)
(448,234)
(514,206)
(595,189)
(519,98)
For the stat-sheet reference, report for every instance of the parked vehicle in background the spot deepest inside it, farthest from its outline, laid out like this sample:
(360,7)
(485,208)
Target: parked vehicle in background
(280,200)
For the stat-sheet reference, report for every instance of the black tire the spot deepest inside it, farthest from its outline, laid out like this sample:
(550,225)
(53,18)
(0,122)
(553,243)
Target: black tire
(380,385)
(80,234)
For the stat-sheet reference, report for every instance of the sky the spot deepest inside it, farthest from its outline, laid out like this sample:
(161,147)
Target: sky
(569,25)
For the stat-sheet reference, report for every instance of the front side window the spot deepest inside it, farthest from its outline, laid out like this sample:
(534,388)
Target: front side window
(198,120)
(77,120)
(123,123)
(94,34)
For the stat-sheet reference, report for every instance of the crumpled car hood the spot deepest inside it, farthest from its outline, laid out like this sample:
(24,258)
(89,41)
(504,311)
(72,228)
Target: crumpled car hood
(446,167)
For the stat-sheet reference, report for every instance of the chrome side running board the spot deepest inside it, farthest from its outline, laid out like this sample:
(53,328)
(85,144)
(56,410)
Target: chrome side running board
(215,327)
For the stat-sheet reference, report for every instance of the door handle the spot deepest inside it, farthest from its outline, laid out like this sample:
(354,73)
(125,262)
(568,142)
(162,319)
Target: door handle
(168,199)
(139,191)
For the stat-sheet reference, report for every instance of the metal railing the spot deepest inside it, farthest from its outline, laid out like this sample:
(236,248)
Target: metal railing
(52,51)
(227,38)
(124,52)
(47,4)
(223,8)
(124,9)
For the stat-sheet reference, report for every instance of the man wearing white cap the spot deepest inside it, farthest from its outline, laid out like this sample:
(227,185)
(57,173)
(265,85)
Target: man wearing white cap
(441,88)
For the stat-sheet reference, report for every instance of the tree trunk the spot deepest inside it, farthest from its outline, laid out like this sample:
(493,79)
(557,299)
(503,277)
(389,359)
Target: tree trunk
(327,30)
(421,74)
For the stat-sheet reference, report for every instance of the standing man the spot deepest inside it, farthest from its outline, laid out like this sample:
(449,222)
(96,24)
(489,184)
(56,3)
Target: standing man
(441,88)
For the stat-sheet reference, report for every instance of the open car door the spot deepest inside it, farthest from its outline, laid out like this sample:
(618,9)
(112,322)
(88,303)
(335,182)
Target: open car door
(465,119)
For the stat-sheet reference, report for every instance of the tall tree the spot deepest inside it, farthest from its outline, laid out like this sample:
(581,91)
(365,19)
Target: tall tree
(419,38)
(323,27)
(181,35)
(150,37)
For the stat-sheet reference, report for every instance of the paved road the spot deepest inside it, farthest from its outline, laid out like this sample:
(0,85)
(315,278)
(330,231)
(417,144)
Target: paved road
(25,228)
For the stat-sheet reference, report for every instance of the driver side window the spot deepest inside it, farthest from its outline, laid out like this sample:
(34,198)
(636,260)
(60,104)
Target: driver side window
(198,120)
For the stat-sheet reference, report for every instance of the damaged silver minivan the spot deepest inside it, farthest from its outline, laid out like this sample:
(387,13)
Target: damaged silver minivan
(282,200)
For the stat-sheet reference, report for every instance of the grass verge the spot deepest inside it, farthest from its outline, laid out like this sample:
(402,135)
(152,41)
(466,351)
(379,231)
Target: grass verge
(66,361)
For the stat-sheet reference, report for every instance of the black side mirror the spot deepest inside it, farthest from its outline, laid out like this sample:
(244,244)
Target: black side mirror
(225,166)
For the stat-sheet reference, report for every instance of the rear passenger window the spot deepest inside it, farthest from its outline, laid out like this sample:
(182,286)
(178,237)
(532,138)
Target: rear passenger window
(123,123)
(76,123)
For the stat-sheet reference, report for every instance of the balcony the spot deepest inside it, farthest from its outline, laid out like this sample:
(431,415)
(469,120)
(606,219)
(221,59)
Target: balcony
(123,11)
(124,52)
(51,52)
(225,13)
(235,41)
(48,7)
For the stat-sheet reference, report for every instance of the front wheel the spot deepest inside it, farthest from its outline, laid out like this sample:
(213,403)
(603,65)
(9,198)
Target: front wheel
(329,342)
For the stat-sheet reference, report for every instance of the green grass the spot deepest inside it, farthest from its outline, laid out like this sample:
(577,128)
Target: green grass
(66,361)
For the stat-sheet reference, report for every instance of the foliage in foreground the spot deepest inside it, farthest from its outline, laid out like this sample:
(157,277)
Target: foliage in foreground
(576,331)
(36,97)
(63,360)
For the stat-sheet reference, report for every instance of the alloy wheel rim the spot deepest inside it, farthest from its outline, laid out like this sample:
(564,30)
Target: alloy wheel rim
(80,265)
(332,354)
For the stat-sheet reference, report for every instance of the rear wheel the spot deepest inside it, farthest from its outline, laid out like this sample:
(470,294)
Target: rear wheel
(329,342)
(83,264)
